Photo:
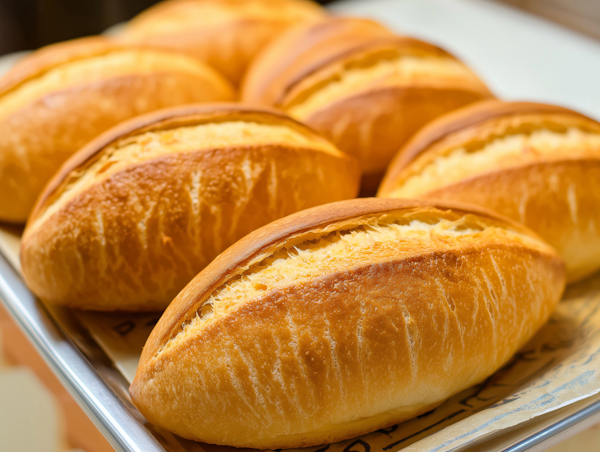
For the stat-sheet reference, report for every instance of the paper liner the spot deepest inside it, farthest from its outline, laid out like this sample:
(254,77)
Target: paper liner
(558,367)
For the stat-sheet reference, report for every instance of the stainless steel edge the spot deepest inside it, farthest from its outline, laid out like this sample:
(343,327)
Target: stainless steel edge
(116,422)
(541,432)
(127,434)
(559,431)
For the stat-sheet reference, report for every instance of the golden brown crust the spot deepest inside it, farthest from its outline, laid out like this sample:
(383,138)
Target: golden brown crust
(463,118)
(559,200)
(168,118)
(374,134)
(129,234)
(299,52)
(54,55)
(49,107)
(555,191)
(368,84)
(350,351)
(226,34)
(261,240)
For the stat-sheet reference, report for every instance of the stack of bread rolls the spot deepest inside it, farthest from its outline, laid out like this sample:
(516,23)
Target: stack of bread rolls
(203,163)
(366,90)
(136,214)
(61,97)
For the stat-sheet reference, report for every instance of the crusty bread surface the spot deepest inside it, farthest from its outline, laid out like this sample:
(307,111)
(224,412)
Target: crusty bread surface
(343,319)
(367,93)
(537,164)
(227,34)
(297,53)
(61,97)
(133,217)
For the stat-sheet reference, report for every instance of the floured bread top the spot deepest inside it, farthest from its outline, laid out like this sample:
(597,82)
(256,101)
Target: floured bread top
(344,246)
(179,15)
(497,144)
(380,68)
(108,64)
(148,145)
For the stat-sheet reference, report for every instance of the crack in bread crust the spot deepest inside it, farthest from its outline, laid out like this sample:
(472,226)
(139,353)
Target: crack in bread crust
(507,152)
(495,150)
(153,144)
(339,320)
(99,67)
(320,253)
(413,67)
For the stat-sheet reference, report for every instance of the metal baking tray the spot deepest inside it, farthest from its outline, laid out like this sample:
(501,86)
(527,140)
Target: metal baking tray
(100,389)
(520,56)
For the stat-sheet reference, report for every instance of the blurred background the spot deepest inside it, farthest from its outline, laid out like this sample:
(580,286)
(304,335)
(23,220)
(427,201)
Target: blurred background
(31,398)
(29,24)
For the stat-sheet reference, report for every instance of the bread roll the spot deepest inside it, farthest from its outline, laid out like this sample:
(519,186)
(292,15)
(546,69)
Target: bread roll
(226,34)
(344,319)
(368,92)
(299,51)
(62,96)
(135,215)
(537,164)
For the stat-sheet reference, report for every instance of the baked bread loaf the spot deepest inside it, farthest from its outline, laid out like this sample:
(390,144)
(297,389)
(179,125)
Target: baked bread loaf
(226,34)
(367,93)
(344,319)
(130,219)
(537,164)
(298,52)
(62,96)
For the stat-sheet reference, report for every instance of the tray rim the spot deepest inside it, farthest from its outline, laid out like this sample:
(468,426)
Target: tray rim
(82,378)
(78,375)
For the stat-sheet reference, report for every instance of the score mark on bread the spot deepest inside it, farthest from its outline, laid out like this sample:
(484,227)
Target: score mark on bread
(537,164)
(131,218)
(362,87)
(343,319)
(60,97)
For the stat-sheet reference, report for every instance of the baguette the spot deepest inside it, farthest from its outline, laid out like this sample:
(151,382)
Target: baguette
(537,164)
(298,52)
(227,34)
(367,93)
(344,319)
(64,95)
(134,216)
